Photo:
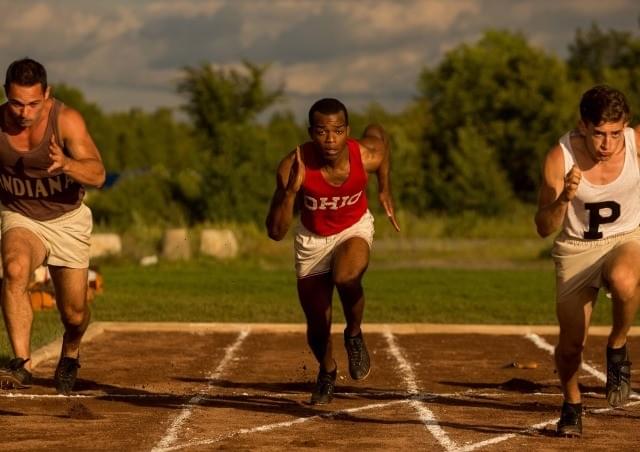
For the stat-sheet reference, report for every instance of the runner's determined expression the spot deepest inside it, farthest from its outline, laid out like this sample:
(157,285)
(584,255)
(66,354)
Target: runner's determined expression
(26,103)
(604,140)
(329,134)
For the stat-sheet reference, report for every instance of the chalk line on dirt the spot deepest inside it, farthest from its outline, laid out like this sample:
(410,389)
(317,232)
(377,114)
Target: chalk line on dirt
(171,435)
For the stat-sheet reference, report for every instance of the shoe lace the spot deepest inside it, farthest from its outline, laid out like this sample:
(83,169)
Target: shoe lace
(356,350)
(67,367)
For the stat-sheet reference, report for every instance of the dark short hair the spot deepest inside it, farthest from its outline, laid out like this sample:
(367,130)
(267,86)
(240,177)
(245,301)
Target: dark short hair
(328,106)
(26,72)
(603,103)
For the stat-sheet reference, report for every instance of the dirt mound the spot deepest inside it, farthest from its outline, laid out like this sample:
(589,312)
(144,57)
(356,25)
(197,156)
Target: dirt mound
(78,410)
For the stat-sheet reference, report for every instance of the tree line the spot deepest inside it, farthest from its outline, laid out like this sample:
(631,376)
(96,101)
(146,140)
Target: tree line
(473,139)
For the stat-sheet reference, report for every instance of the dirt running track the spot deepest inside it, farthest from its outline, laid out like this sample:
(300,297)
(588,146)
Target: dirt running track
(199,387)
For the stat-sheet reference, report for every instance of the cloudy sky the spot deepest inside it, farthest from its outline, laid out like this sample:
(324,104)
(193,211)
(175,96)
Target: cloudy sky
(129,53)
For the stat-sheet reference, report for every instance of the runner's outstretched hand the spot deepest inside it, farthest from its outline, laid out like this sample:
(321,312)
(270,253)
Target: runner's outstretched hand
(387,202)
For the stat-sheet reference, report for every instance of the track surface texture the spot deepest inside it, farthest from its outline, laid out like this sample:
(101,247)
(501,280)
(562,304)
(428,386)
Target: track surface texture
(161,387)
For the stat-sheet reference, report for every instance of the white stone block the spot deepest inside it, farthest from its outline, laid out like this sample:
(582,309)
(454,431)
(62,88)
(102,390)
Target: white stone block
(176,244)
(221,243)
(105,245)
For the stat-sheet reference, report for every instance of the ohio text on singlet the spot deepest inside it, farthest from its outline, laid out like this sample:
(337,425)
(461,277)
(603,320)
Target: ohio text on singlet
(328,209)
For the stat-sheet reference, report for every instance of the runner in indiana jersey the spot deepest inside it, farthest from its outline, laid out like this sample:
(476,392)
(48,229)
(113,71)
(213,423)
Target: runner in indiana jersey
(47,156)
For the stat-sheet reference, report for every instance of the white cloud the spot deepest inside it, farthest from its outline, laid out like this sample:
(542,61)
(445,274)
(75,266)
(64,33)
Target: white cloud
(398,17)
(183,8)
(34,18)
(120,51)
(594,7)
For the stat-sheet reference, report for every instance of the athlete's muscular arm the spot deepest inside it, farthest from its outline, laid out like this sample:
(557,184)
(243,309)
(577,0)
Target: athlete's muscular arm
(556,191)
(288,182)
(84,164)
(375,152)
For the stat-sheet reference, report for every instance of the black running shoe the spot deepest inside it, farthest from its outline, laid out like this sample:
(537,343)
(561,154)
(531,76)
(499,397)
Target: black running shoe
(570,423)
(618,377)
(359,365)
(15,376)
(65,376)
(325,384)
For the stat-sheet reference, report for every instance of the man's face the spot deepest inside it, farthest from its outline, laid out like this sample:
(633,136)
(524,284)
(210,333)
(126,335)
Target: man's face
(603,140)
(26,103)
(329,134)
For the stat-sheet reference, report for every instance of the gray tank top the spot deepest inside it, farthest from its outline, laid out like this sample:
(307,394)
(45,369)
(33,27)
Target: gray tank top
(25,185)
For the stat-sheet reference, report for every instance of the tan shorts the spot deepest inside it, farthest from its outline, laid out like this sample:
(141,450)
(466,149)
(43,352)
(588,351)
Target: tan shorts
(314,253)
(579,262)
(66,238)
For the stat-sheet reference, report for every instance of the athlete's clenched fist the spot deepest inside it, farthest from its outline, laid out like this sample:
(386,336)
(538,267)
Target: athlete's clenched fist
(571,182)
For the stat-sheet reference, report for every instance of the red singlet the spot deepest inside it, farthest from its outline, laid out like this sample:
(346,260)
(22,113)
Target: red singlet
(329,209)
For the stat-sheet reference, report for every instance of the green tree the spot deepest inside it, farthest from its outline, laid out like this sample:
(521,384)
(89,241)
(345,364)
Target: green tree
(476,180)
(611,57)
(237,165)
(219,96)
(98,124)
(139,198)
(516,98)
(593,51)
(405,131)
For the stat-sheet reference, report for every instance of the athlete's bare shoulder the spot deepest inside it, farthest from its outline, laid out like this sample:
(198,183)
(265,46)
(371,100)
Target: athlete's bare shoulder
(69,118)
(373,147)
(286,162)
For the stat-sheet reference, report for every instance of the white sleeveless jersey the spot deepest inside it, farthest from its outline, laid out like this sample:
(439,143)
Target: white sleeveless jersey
(600,211)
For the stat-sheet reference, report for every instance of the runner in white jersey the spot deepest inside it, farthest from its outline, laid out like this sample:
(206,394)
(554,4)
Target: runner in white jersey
(591,191)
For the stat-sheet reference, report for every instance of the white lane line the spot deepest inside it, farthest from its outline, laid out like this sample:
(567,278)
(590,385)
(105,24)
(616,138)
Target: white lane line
(608,409)
(541,343)
(285,424)
(171,435)
(13,395)
(501,438)
(426,415)
(425,396)
(544,345)
(405,368)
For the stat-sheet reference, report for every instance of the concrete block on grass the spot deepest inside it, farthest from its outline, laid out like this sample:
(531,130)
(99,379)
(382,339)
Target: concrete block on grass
(220,243)
(176,244)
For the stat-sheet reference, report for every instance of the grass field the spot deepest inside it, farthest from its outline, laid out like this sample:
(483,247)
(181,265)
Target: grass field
(437,290)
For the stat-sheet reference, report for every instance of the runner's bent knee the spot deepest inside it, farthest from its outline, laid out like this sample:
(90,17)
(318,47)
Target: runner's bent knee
(348,278)
(73,316)
(16,268)
(17,272)
(623,282)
